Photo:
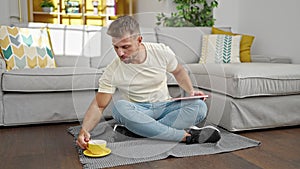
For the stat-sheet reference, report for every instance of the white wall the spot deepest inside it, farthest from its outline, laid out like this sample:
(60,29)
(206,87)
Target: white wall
(9,11)
(227,13)
(4,12)
(274,23)
(146,10)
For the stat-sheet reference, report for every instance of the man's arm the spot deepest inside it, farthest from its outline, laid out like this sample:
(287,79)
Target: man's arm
(184,81)
(92,117)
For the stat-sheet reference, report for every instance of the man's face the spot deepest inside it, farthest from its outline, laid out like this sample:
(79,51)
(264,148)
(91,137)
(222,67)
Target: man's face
(127,47)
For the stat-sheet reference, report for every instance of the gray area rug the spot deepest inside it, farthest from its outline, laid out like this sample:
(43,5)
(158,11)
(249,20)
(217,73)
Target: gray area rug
(128,150)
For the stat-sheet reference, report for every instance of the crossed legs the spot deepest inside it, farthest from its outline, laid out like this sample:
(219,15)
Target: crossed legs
(160,120)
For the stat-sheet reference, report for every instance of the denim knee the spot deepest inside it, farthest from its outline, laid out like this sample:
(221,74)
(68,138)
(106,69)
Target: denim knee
(202,111)
(119,108)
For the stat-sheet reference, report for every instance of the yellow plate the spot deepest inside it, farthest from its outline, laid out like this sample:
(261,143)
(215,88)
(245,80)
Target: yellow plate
(89,154)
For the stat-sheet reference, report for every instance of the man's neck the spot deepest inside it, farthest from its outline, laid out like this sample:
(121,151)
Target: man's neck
(141,55)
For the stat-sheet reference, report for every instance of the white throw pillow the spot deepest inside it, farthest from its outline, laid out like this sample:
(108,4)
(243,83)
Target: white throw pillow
(220,49)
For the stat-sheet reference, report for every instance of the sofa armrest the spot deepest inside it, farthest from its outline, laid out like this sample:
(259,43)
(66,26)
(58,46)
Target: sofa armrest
(2,65)
(270,59)
(2,69)
(281,60)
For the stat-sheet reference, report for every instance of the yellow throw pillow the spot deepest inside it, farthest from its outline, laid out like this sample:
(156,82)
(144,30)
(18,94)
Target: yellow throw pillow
(26,48)
(245,45)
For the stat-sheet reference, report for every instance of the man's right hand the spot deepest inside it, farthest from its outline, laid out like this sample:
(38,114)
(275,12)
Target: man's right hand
(92,118)
(83,139)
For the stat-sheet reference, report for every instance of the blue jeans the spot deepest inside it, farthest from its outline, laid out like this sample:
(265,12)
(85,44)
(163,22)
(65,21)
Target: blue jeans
(160,120)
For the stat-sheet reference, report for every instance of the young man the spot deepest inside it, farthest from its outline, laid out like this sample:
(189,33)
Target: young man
(139,73)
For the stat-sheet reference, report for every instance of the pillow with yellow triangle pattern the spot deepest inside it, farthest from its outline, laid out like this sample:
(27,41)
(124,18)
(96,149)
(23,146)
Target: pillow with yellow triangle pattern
(26,48)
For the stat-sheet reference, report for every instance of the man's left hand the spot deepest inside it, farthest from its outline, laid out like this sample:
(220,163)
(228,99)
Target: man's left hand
(197,93)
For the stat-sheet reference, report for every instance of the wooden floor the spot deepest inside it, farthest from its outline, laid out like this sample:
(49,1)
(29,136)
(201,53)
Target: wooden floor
(51,147)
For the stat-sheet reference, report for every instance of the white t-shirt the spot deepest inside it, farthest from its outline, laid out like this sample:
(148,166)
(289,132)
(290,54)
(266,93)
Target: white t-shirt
(146,82)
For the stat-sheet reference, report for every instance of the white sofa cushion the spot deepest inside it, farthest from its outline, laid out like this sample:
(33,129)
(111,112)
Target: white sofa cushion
(72,61)
(75,40)
(240,80)
(51,80)
(70,42)
(185,42)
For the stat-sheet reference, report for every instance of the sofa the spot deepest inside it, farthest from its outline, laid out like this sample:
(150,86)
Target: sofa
(263,93)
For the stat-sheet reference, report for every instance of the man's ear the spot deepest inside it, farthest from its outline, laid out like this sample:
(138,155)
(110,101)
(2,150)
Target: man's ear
(140,38)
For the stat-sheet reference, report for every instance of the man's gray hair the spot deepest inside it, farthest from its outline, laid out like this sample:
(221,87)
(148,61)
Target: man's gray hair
(124,25)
